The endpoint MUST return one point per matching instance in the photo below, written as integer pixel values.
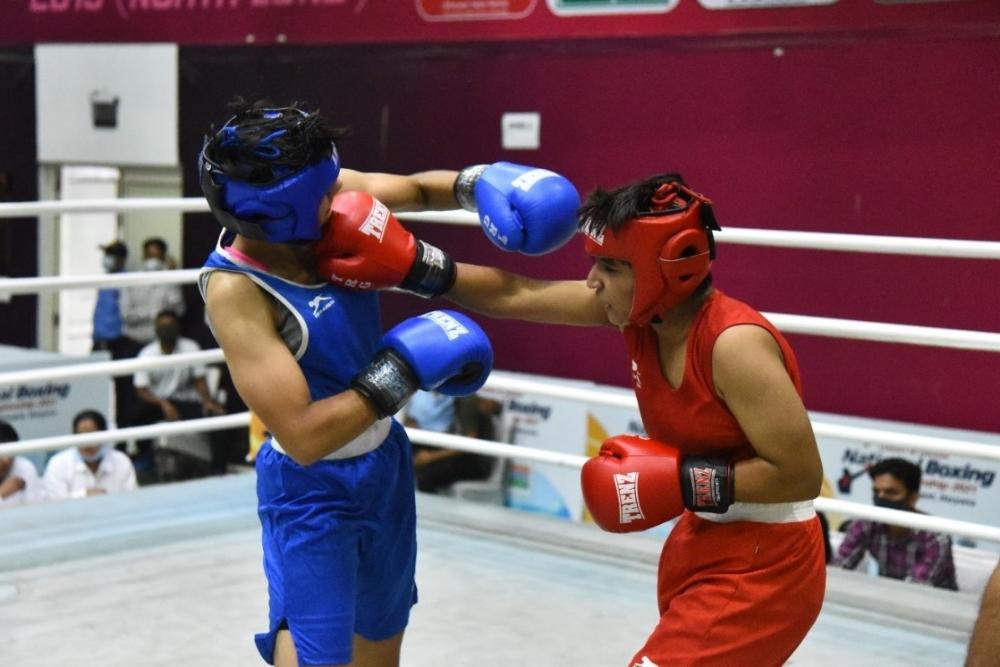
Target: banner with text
(364, 21)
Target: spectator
(172, 394)
(901, 553)
(437, 468)
(155, 256)
(141, 303)
(108, 335)
(88, 470)
(19, 483)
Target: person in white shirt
(172, 394)
(87, 471)
(19, 483)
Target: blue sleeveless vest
(332, 332)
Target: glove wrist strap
(707, 484)
(432, 272)
(465, 186)
(388, 382)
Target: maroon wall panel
(894, 136)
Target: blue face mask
(96, 456)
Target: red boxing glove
(635, 483)
(364, 247)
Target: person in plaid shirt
(901, 553)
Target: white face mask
(110, 263)
(96, 456)
(153, 264)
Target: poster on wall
(761, 4)
(45, 408)
(580, 7)
(558, 425)
(466, 10)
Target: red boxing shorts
(735, 593)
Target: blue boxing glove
(529, 210)
(441, 350)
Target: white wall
(142, 77)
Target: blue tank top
(332, 332)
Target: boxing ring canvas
(171, 575)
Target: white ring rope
(488, 448)
(25, 209)
(820, 326)
(238, 420)
(113, 368)
(896, 245)
(15, 286)
(883, 332)
(869, 435)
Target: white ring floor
(171, 575)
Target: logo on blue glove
(451, 327)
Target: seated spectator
(90, 470)
(172, 394)
(437, 468)
(901, 553)
(19, 483)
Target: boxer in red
(731, 450)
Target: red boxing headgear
(670, 248)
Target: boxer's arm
(506, 295)
(750, 376)
(984, 646)
(269, 379)
(424, 191)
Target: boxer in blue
(308, 356)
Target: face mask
(96, 456)
(890, 504)
(153, 264)
(110, 263)
(167, 334)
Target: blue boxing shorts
(340, 548)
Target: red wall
(890, 136)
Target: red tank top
(692, 417)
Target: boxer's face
(323, 214)
(614, 283)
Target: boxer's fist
(441, 350)
(632, 484)
(520, 208)
(635, 483)
(364, 247)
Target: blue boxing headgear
(285, 208)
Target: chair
(493, 489)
